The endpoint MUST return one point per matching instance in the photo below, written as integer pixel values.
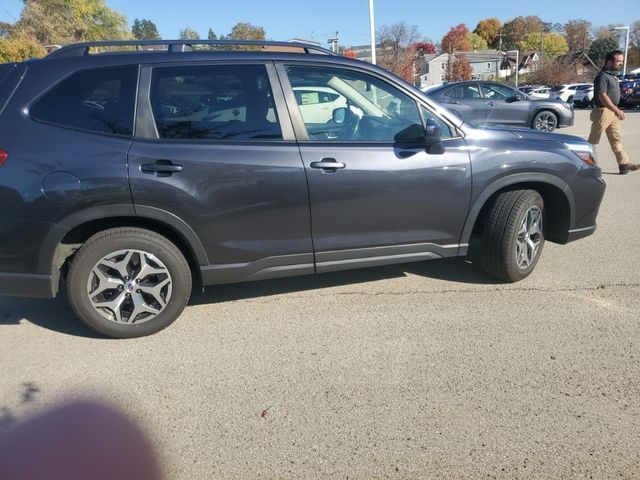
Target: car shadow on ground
(452, 270)
(56, 314)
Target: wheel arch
(553, 190)
(69, 234)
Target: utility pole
(373, 32)
(334, 43)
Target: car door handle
(491, 104)
(161, 167)
(328, 164)
(454, 102)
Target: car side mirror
(339, 115)
(515, 98)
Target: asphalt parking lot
(427, 370)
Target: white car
(584, 97)
(318, 103)
(540, 92)
(567, 91)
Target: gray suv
(128, 176)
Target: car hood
(506, 133)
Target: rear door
(215, 152)
(466, 100)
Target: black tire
(170, 281)
(500, 234)
(545, 121)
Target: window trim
(145, 122)
(84, 130)
(296, 116)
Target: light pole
(626, 48)
(517, 63)
(373, 33)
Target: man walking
(606, 116)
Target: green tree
(64, 21)
(489, 29)
(211, 35)
(476, 42)
(246, 31)
(600, 47)
(145, 30)
(551, 44)
(20, 47)
(188, 34)
(578, 35)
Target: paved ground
(421, 371)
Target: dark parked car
(630, 91)
(127, 175)
(492, 103)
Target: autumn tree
(552, 44)
(476, 42)
(634, 34)
(489, 30)
(145, 30)
(349, 53)
(397, 53)
(423, 48)
(555, 72)
(456, 39)
(246, 31)
(578, 35)
(458, 68)
(188, 34)
(515, 30)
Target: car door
(215, 155)
(465, 99)
(505, 105)
(375, 199)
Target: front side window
(497, 92)
(98, 101)
(359, 107)
(214, 102)
(464, 91)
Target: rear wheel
(513, 237)
(128, 282)
(545, 121)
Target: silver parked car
(486, 102)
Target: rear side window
(98, 100)
(464, 91)
(214, 102)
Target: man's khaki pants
(604, 120)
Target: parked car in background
(126, 176)
(540, 92)
(583, 97)
(567, 91)
(486, 102)
(630, 91)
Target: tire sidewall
(93, 252)
(515, 271)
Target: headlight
(585, 151)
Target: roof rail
(83, 49)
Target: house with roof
(485, 65)
(527, 62)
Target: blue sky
(285, 19)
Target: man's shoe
(628, 167)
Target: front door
(376, 199)
(505, 105)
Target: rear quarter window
(98, 100)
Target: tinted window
(464, 91)
(214, 102)
(99, 100)
(430, 118)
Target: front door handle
(328, 164)
(161, 167)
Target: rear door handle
(491, 104)
(328, 164)
(161, 167)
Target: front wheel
(545, 121)
(128, 282)
(513, 235)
